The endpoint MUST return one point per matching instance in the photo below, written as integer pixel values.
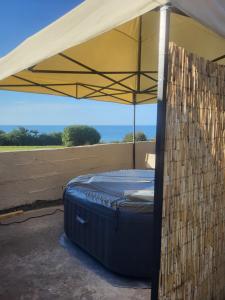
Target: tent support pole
(134, 131)
(160, 143)
(138, 90)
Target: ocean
(109, 133)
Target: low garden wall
(27, 176)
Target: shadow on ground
(35, 266)
(92, 264)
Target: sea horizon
(109, 133)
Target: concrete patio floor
(35, 266)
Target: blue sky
(22, 18)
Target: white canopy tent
(109, 51)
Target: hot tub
(110, 215)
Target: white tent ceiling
(94, 51)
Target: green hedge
(24, 137)
(72, 136)
(139, 136)
(77, 135)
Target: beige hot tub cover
(107, 49)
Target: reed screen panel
(193, 220)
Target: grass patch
(20, 148)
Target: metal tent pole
(160, 142)
(134, 134)
(138, 89)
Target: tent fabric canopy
(107, 50)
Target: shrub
(24, 137)
(54, 139)
(77, 135)
(19, 137)
(139, 136)
(3, 138)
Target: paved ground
(33, 265)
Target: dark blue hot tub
(110, 215)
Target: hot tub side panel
(121, 241)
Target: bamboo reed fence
(193, 220)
